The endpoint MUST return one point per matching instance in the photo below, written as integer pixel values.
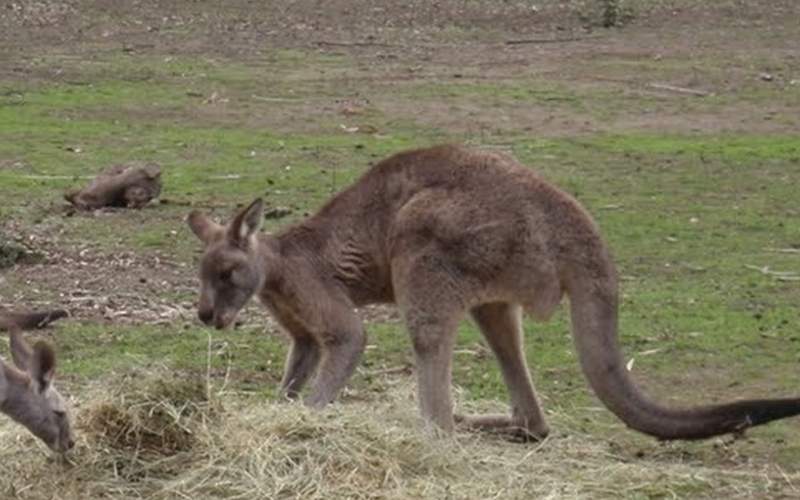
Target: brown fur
(444, 232)
(30, 320)
(119, 186)
(27, 393)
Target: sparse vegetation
(607, 13)
(10, 252)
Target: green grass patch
(698, 223)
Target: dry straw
(167, 436)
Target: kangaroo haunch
(119, 186)
(443, 232)
(27, 393)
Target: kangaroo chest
(286, 313)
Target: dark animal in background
(129, 186)
(30, 320)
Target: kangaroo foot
(515, 429)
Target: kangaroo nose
(205, 315)
(70, 444)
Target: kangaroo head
(231, 269)
(29, 396)
(136, 196)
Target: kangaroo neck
(11, 379)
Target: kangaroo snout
(64, 446)
(224, 319)
(219, 320)
(206, 315)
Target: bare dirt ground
(443, 43)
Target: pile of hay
(156, 418)
(168, 436)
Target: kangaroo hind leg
(433, 338)
(501, 325)
(429, 300)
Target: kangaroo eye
(60, 413)
(225, 275)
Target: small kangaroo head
(136, 196)
(231, 270)
(29, 397)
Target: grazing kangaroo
(27, 394)
(442, 232)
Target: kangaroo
(27, 393)
(119, 186)
(443, 232)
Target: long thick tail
(594, 323)
(30, 320)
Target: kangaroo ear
(43, 364)
(247, 223)
(204, 228)
(21, 352)
(71, 196)
(152, 170)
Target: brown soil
(398, 43)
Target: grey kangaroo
(27, 393)
(443, 232)
(128, 186)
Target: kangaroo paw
(515, 429)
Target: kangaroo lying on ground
(442, 232)
(119, 186)
(27, 394)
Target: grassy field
(694, 186)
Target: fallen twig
(680, 90)
(354, 44)
(779, 275)
(534, 41)
(274, 99)
(784, 250)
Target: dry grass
(169, 437)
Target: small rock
(766, 77)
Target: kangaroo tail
(593, 303)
